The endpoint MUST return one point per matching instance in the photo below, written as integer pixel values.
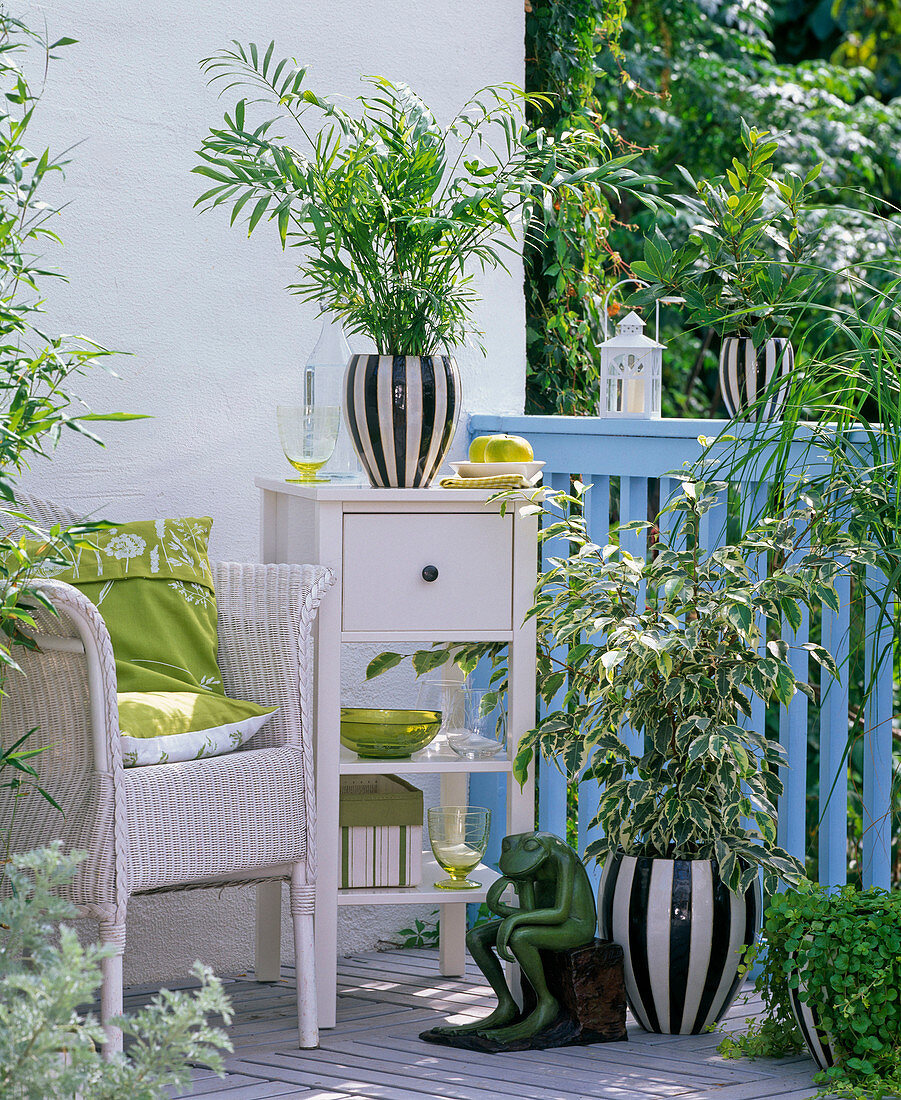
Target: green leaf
(258, 211)
(382, 663)
(425, 660)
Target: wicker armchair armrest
(266, 615)
(66, 694)
(79, 633)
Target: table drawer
(384, 558)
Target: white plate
(531, 471)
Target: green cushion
(162, 727)
(152, 583)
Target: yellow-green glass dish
(388, 734)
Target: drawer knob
(430, 573)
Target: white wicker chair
(244, 818)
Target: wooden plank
(375, 1054)
(570, 1063)
(764, 1088)
(203, 1086)
(385, 971)
(365, 1076)
(523, 1073)
(263, 1089)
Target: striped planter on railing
(746, 373)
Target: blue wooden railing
(637, 459)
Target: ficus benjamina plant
(842, 950)
(648, 666)
(660, 658)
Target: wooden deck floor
(386, 999)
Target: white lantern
(631, 372)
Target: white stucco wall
(215, 340)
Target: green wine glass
(458, 836)
(307, 434)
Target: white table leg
(327, 751)
(267, 967)
(452, 940)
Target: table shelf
(378, 543)
(425, 893)
(445, 760)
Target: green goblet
(458, 836)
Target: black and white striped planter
(401, 413)
(819, 1043)
(745, 374)
(683, 933)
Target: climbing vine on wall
(569, 263)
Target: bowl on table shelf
(388, 734)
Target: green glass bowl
(391, 734)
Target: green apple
(508, 448)
(477, 448)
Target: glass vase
(323, 384)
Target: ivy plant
(569, 262)
(842, 949)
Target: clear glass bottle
(323, 379)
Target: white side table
(378, 542)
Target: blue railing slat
(877, 741)
(552, 811)
(597, 516)
(792, 833)
(833, 769)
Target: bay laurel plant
(391, 210)
(657, 659)
(748, 261)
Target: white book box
(380, 818)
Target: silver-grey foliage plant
(49, 1046)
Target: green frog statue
(556, 912)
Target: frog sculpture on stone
(556, 912)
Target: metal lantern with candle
(632, 366)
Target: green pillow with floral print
(152, 584)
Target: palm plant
(391, 209)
